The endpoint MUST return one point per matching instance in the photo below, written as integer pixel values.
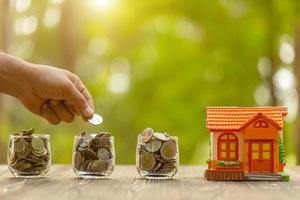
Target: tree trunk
(272, 38)
(5, 23)
(68, 33)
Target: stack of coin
(29, 154)
(93, 154)
(157, 153)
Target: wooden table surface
(125, 184)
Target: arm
(52, 93)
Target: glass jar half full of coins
(157, 155)
(93, 155)
(29, 154)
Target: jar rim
(30, 136)
(170, 136)
(89, 135)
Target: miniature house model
(246, 143)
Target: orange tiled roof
(233, 118)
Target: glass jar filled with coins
(29, 154)
(93, 155)
(157, 155)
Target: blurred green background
(157, 64)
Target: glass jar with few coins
(29, 154)
(157, 155)
(93, 155)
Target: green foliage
(228, 163)
(281, 151)
(150, 64)
(285, 177)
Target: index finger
(76, 98)
(80, 86)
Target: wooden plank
(125, 183)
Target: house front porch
(224, 175)
(233, 175)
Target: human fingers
(80, 86)
(71, 108)
(61, 111)
(76, 98)
(49, 114)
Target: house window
(261, 124)
(228, 147)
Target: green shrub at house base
(285, 177)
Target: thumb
(76, 98)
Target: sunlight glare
(287, 53)
(119, 81)
(22, 5)
(51, 17)
(103, 4)
(284, 79)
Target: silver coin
(103, 154)
(96, 119)
(161, 136)
(153, 145)
(147, 135)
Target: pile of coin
(29, 154)
(158, 153)
(94, 153)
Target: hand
(55, 94)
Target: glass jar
(157, 155)
(29, 154)
(93, 155)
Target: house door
(261, 156)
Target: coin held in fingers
(96, 119)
